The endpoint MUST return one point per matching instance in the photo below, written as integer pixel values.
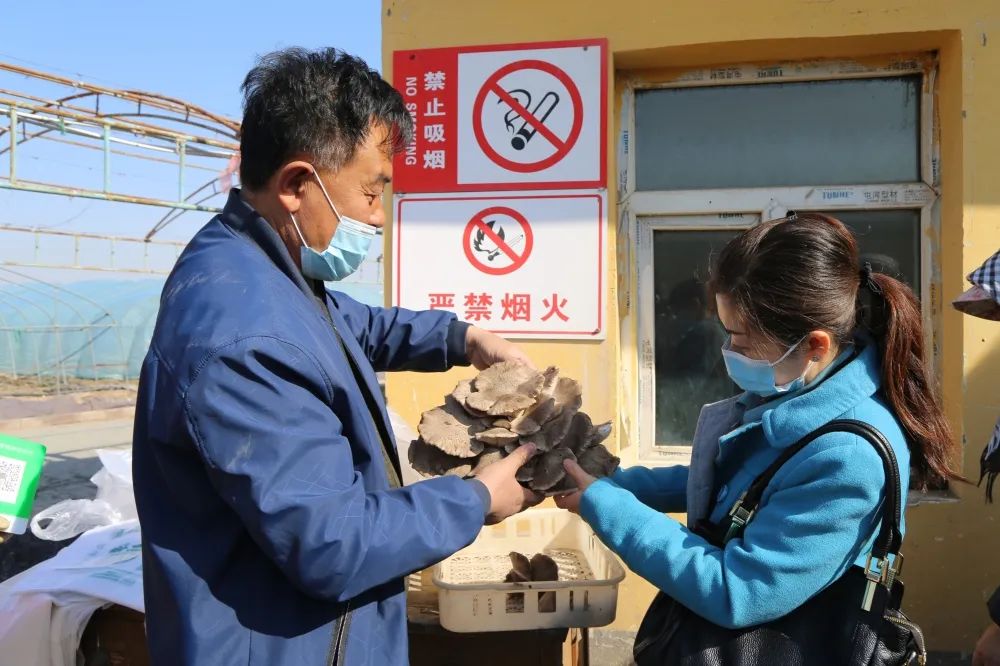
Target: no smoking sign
(528, 116)
(498, 240)
(520, 264)
(504, 117)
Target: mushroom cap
(460, 395)
(595, 460)
(462, 390)
(543, 568)
(508, 377)
(520, 568)
(525, 425)
(598, 461)
(532, 419)
(579, 433)
(549, 469)
(599, 434)
(431, 461)
(552, 433)
(527, 471)
(567, 485)
(568, 392)
(486, 459)
(505, 389)
(497, 437)
(558, 418)
(510, 404)
(451, 430)
(549, 378)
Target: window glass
(842, 132)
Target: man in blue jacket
(275, 530)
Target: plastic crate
(473, 597)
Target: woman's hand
(571, 502)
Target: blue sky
(196, 51)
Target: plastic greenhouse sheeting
(95, 329)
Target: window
(805, 133)
(719, 150)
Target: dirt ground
(26, 397)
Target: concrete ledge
(12, 426)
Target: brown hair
(794, 275)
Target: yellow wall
(953, 549)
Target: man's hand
(507, 496)
(988, 648)
(571, 502)
(485, 349)
(4, 525)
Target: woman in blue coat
(813, 336)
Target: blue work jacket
(271, 533)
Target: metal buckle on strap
(874, 576)
(893, 570)
(739, 517)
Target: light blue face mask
(346, 250)
(756, 376)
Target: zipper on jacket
(390, 468)
(339, 639)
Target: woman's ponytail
(889, 310)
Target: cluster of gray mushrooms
(507, 405)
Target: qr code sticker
(11, 473)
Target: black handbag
(855, 621)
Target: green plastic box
(20, 468)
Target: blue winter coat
(270, 533)
(818, 515)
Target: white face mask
(757, 376)
(346, 250)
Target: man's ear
(290, 183)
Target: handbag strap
(889, 539)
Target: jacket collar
(852, 384)
(244, 220)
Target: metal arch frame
(174, 213)
(35, 260)
(64, 116)
(154, 100)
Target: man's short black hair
(320, 103)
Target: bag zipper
(338, 644)
(918, 636)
